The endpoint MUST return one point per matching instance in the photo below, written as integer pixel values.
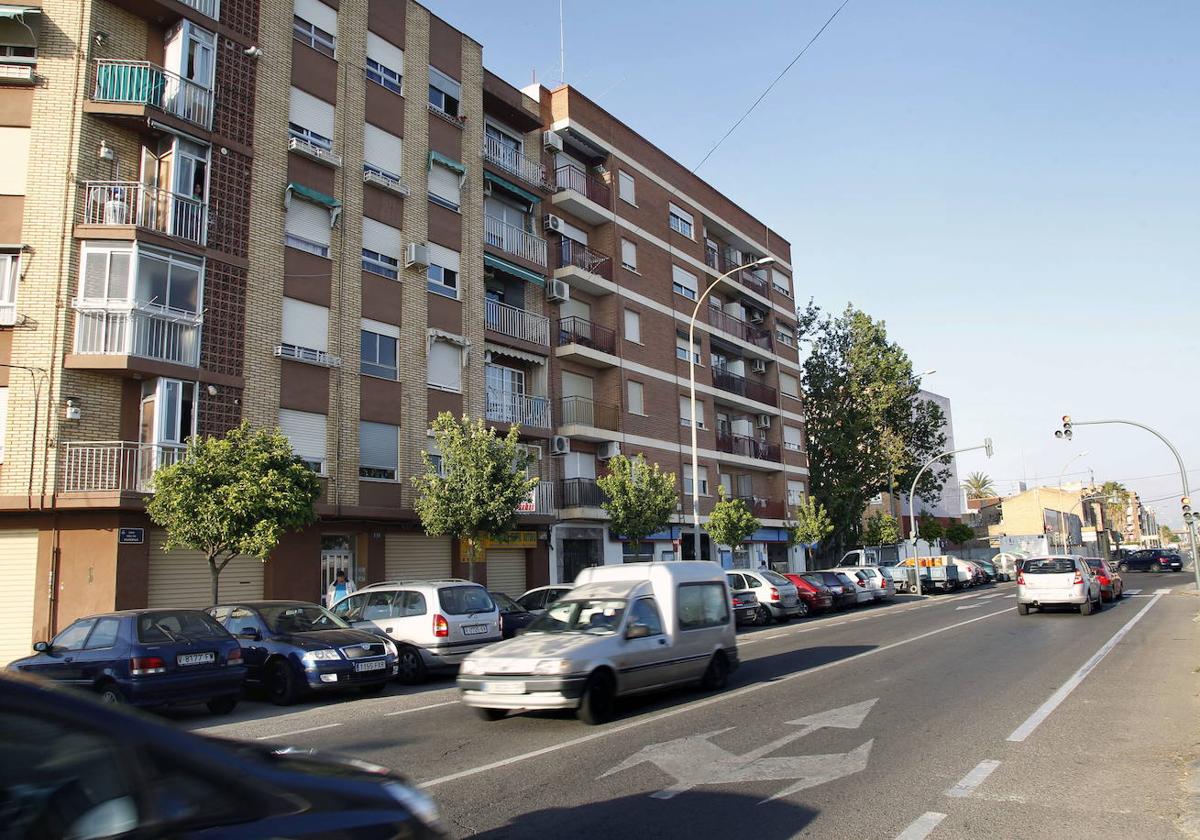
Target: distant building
(1048, 520)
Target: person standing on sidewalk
(339, 589)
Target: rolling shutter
(382, 239)
(18, 569)
(382, 149)
(685, 279)
(416, 557)
(318, 14)
(306, 431)
(308, 221)
(445, 183)
(305, 324)
(385, 53)
(181, 578)
(442, 256)
(15, 142)
(506, 571)
(307, 111)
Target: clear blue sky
(1013, 186)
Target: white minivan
(622, 630)
(1063, 580)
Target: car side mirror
(637, 631)
(41, 647)
(249, 633)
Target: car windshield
(1049, 566)
(775, 578)
(597, 617)
(300, 618)
(505, 603)
(1095, 562)
(465, 600)
(817, 582)
(178, 626)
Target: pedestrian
(339, 589)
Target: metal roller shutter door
(18, 570)
(415, 557)
(180, 578)
(506, 571)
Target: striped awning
(511, 187)
(514, 270)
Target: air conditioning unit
(551, 140)
(608, 450)
(560, 445)
(553, 223)
(754, 316)
(759, 366)
(416, 253)
(557, 291)
(764, 421)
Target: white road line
(1164, 592)
(967, 607)
(691, 707)
(1133, 592)
(989, 597)
(1046, 709)
(776, 636)
(1009, 596)
(974, 779)
(422, 708)
(922, 826)
(295, 732)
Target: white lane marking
(691, 707)
(1133, 592)
(1046, 709)
(776, 636)
(974, 779)
(989, 597)
(295, 732)
(1006, 597)
(968, 607)
(922, 826)
(423, 708)
(1164, 592)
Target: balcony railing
(579, 492)
(540, 501)
(752, 281)
(144, 206)
(725, 262)
(585, 411)
(211, 8)
(114, 465)
(571, 252)
(737, 327)
(509, 407)
(167, 335)
(747, 447)
(143, 83)
(576, 330)
(765, 508)
(514, 240)
(510, 160)
(573, 178)
(744, 387)
(517, 323)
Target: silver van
(622, 630)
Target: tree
(1167, 536)
(731, 522)
(233, 495)
(1116, 502)
(929, 529)
(979, 486)
(881, 529)
(812, 522)
(475, 493)
(959, 533)
(640, 497)
(868, 429)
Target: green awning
(18, 11)
(511, 187)
(449, 163)
(314, 196)
(515, 270)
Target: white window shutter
(306, 431)
(571, 232)
(685, 279)
(789, 385)
(681, 213)
(380, 328)
(791, 436)
(444, 83)
(385, 52)
(442, 256)
(15, 142)
(3, 419)
(633, 326)
(307, 111)
(305, 324)
(445, 365)
(628, 253)
(445, 184)
(637, 397)
(318, 14)
(378, 445)
(781, 280)
(308, 221)
(625, 186)
(381, 238)
(382, 149)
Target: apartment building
(326, 215)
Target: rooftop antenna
(562, 50)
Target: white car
(778, 597)
(871, 584)
(1061, 580)
(536, 600)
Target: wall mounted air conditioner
(557, 291)
(759, 366)
(551, 140)
(552, 223)
(608, 450)
(416, 253)
(754, 316)
(764, 421)
(560, 445)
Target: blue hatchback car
(145, 658)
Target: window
(444, 92)
(385, 63)
(633, 326)
(73, 637)
(315, 24)
(791, 438)
(626, 188)
(579, 465)
(10, 275)
(629, 255)
(685, 411)
(786, 336)
(443, 271)
(681, 221)
(789, 385)
(17, 54)
(168, 281)
(445, 185)
(104, 635)
(382, 152)
(305, 326)
(702, 605)
(3, 419)
(636, 393)
(381, 248)
(306, 432)
(378, 450)
(445, 365)
(310, 119)
(645, 612)
(306, 227)
(378, 348)
(681, 348)
(683, 282)
(795, 492)
(687, 480)
(781, 282)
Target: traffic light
(987, 446)
(1187, 509)
(1065, 432)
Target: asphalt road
(950, 717)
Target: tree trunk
(215, 571)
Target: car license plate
(378, 665)
(474, 629)
(196, 658)
(504, 688)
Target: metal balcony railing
(114, 465)
(765, 508)
(540, 501)
(737, 327)
(510, 407)
(579, 492)
(726, 261)
(517, 323)
(143, 83)
(570, 177)
(510, 160)
(744, 387)
(576, 330)
(168, 335)
(748, 447)
(590, 260)
(144, 206)
(587, 412)
(513, 240)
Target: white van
(622, 630)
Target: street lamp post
(1063, 474)
(692, 391)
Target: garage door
(181, 578)
(506, 571)
(18, 570)
(416, 557)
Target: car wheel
(1022, 609)
(716, 675)
(490, 714)
(764, 617)
(1085, 608)
(803, 610)
(410, 666)
(282, 687)
(222, 705)
(109, 693)
(596, 707)
(1117, 596)
(376, 688)
(1123, 567)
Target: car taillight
(774, 594)
(862, 583)
(234, 656)
(1164, 561)
(140, 666)
(1078, 577)
(1103, 580)
(1020, 580)
(441, 629)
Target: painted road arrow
(694, 760)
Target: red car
(1112, 587)
(816, 600)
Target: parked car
(72, 767)
(293, 647)
(1112, 587)
(818, 599)
(513, 617)
(745, 607)
(1152, 560)
(145, 658)
(778, 599)
(990, 572)
(622, 630)
(1008, 564)
(841, 589)
(871, 583)
(433, 623)
(1064, 580)
(536, 600)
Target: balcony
(725, 262)
(540, 501)
(748, 447)
(517, 323)
(513, 240)
(513, 162)
(584, 268)
(165, 335)
(586, 342)
(128, 88)
(744, 387)
(514, 408)
(582, 418)
(582, 195)
(114, 466)
(738, 328)
(162, 10)
(765, 508)
(132, 204)
(577, 493)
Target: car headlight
(419, 804)
(471, 666)
(390, 647)
(552, 666)
(320, 656)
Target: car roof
(256, 605)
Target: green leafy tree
(929, 529)
(881, 529)
(812, 522)
(959, 533)
(233, 495)
(1167, 536)
(1116, 501)
(979, 486)
(731, 522)
(639, 497)
(475, 494)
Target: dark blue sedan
(292, 646)
(145, 658)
